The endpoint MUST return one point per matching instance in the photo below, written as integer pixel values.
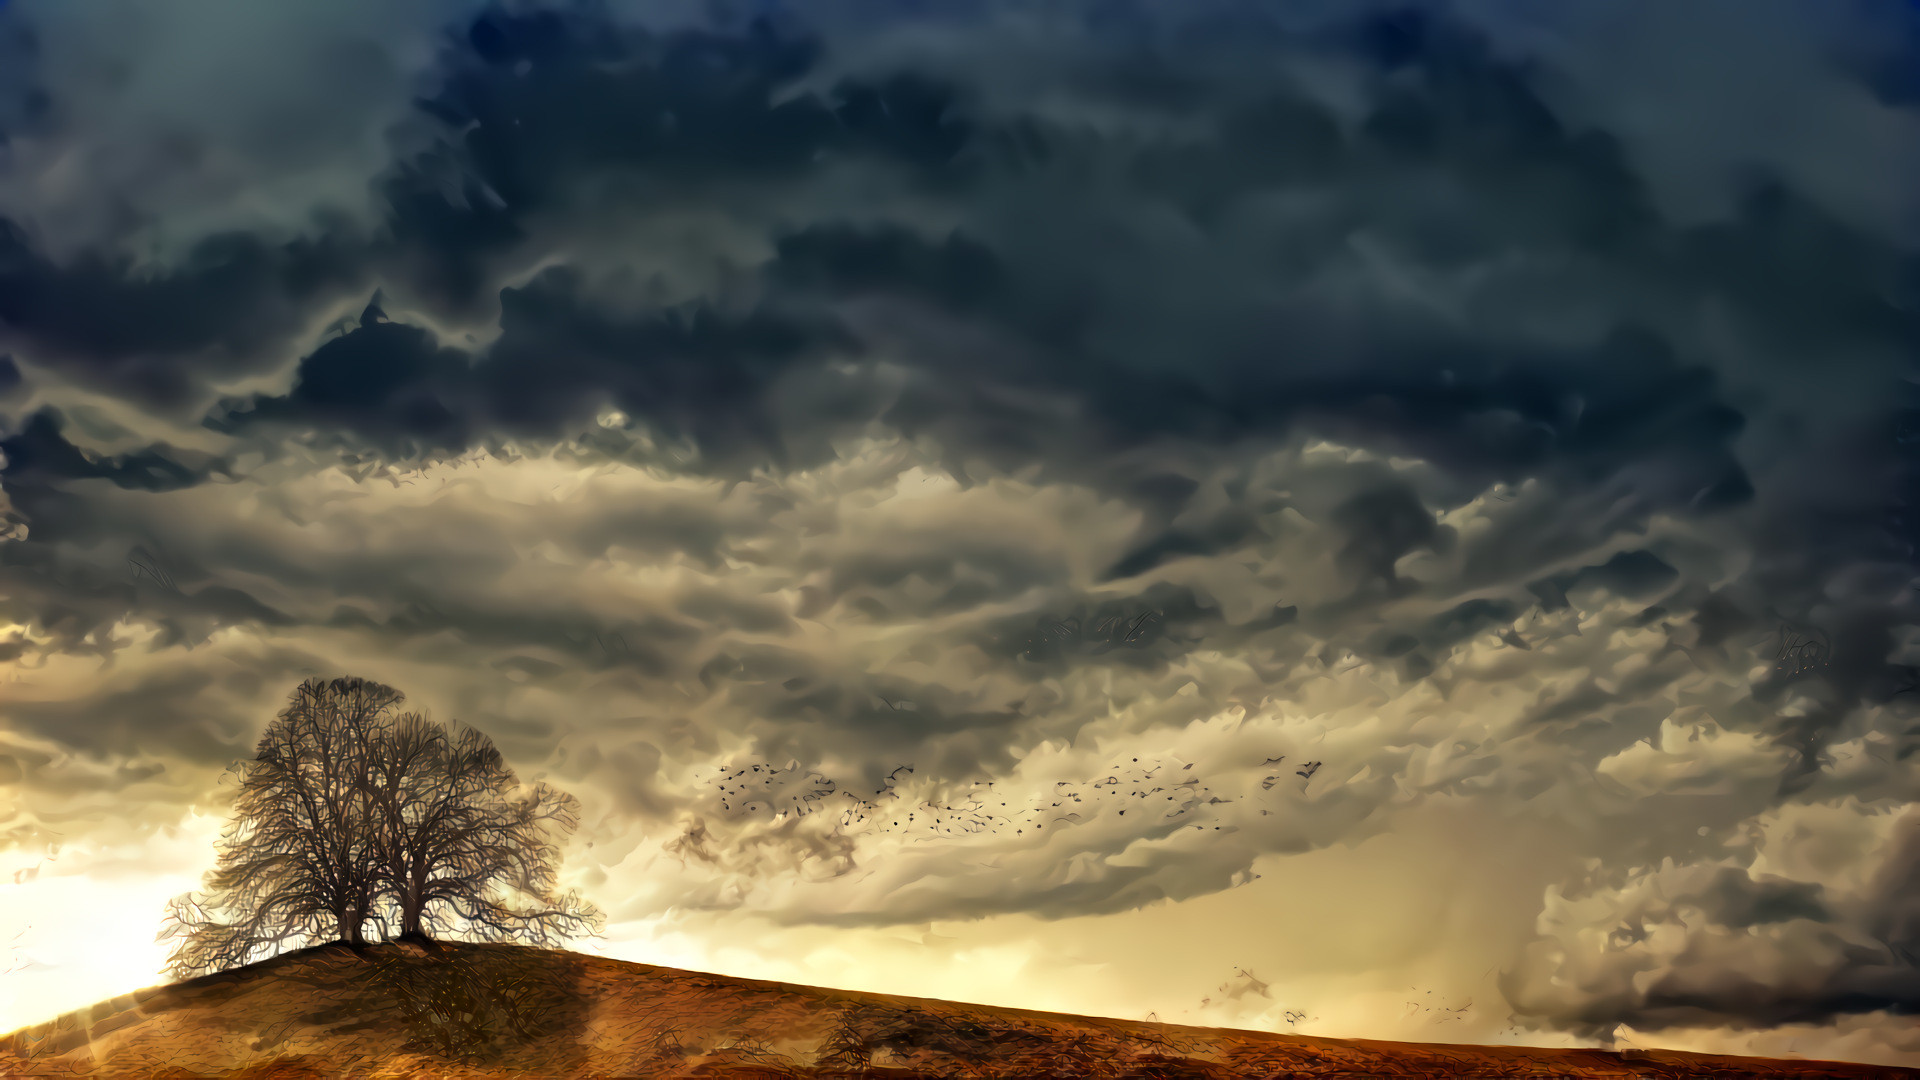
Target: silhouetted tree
(299, 863)
(466, 849)
(351, 812)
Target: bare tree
(466, 849)
(351, 812)
(299, 862)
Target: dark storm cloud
(683, 109)
(1381, 526)
(841, 260)
(558, 360)
(75, 598)
(153, 337)
(23, 102)
(40, 457)
(1764, 949)
(1882, 59)
(537, 106)
(184, 703)
(705, 371)
(1457, 161)
(1737, 900)
(10, 380)
(390, 383)
(1386, 374)
(1454, 161)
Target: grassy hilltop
(461, 1010)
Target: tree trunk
(350, 923)
(413, 902)
(412, 909)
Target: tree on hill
(296, 864)
(351, 812)
(465, 849)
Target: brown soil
(508, 1011)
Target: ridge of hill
(464, 1010)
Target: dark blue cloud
(155, 337)
(558, 361)
(39, 456)
(533, 105)
(1449, 161)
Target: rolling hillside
(460, 1010)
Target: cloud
(1820, 96)
(232, 298)
(1701, 758)
(1778, 934)
(157, 129)
(556, 365)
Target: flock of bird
(1158, 792)
(1443, 1014)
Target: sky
(1370, 519)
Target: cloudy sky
(1281, 515)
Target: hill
(459, 1010)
